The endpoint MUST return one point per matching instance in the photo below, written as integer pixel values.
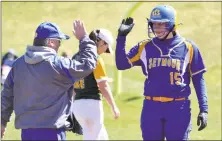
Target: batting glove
(125, 27)
(202, 120)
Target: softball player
(169, 62)
(87, 107)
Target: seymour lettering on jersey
(167, 62)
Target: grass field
(201, 23)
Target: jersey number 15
(174, 78)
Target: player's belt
(164, 99)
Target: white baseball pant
(89, 113)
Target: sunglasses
(59, 40)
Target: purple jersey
(167, 66)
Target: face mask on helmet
(160, 29)
(161, 22)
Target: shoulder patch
(190, 49)
(144, 42)
(141, 44)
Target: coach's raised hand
(126, 26)
(79, 30)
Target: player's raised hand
(126, 26)
(79, 29)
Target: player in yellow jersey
(87, 107)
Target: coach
(39, 85)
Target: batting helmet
(162, 13)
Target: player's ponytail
(94, 35)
